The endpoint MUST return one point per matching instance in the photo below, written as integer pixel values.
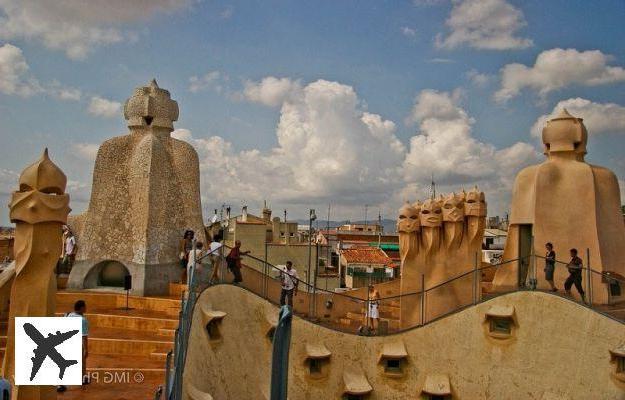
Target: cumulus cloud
(331, 149)
(210, 80)
(598, 117)
(77, 27)
(102, 107)
(86, 151)
(15, 78)
(445, 148)
(558, 68)
(271, 91)
(484, 24)
(478, 79)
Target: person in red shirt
(234, 262)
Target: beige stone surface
(440, 239)
(569, 203)
(145, 193)
(559, 348)
(38, 208)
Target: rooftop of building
(366, 255)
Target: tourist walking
(215, 251)
(289, 281)
(575, 275)
(194, 266)
(185, 246)
(68, 253)
(550, 265)
(234, 262)
(80, 308)
(373, 312)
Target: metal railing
(348, 311)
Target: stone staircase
(389, 316)
(127, 348)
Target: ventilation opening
(212, 328)
(615, 289)
(314, 366)
(271, 333)
(353, 397)
(501, 325)
(148, 120)
(392, 366)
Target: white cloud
(77, 27)
(484, 24)
(14, 73)
(210, 80)
(598, 117)
(445, 148)
(15, 78)
(408, 31)
(478, 79)
(86, 151)
(330, 149)
(271, 91)
(102, 107)
(558, 68)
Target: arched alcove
(107, 273)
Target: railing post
(475, 280)
(280, 355)
(422, 299)
(589, 277)
(265, 272)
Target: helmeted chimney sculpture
(38, 208)
(439, 239)
(570, 203)
(145, 193)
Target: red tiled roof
(365, 255)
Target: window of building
(501, 325)
(618, 358)
(436, 386)
(500, 321)
(394, 358)
(212, 320)
(317, 360)
(270, 333)
(393, 366)
(314, 366)
(615, 288)
(353, 397)
(213, 330)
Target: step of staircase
(127, 348)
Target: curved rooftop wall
(554, 349)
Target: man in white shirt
(289, 280)
(215, 257)
(69, 250)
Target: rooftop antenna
(366, 209)
(285, 215)
(432, 188)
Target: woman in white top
(373, 314)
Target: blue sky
(456, 87)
